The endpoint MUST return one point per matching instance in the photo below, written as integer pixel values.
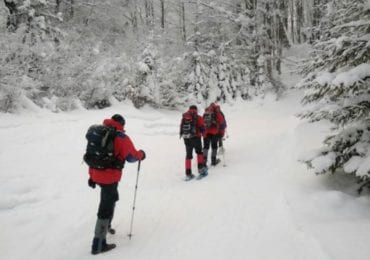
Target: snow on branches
(337, 83)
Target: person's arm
(201, 126)
(128, 152)
(180, 132)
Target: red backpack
(209, 117)
(189, 123)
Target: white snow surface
(263, 205)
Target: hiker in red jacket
(221, 130)
(192, 129)
(215, 124)
(108, 179)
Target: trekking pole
(133, 205)
(223, 154)
(223, 147)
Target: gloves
(143, 155)
(91, 183)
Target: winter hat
(118, 118)
(193, 107)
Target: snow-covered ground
(263, 205)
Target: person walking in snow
(215, 127)
(192, 129)
(221, 130)
(108, 179)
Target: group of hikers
(211, 126)
(109, 147)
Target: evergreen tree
(337, 83)
(145, 86)
(27, 48)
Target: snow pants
(211, 140)
(108, 197)
(194, 143)
(191, 144)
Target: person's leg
(110, 229)
(214, 145)
(202, 169)
(206, 144)
(220, 141)
(189, 157)
(108, 198)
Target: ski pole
(223, 147)
(133, 205)
(223, 155)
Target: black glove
(144, 155)
(91, 183)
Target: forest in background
(64, 54)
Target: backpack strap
(120, 134)
(118, 163)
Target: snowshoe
(189, 177)
(202, 173)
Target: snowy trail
(262, 205)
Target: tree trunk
(12, 20)
(196, 27)
(149, 13)
(57, 6)
(71, 9)
(134, 18)
(183, 21)
(162, 14)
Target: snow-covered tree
(337, 85)
(206, 50)
(145, 89)
(26, 50)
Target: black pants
(191, 144)
(211, 140)
(108, 197)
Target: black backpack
(209, 118)
(100, 148)
(188, 127)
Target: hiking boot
(215, 161)
(101, 246)
(203, 171)
(189, 177)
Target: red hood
(115, 124)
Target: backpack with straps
(209, 118)
(100, 148)
(188, 127)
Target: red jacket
(220, 125)
(124, 150)
(200, 128)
